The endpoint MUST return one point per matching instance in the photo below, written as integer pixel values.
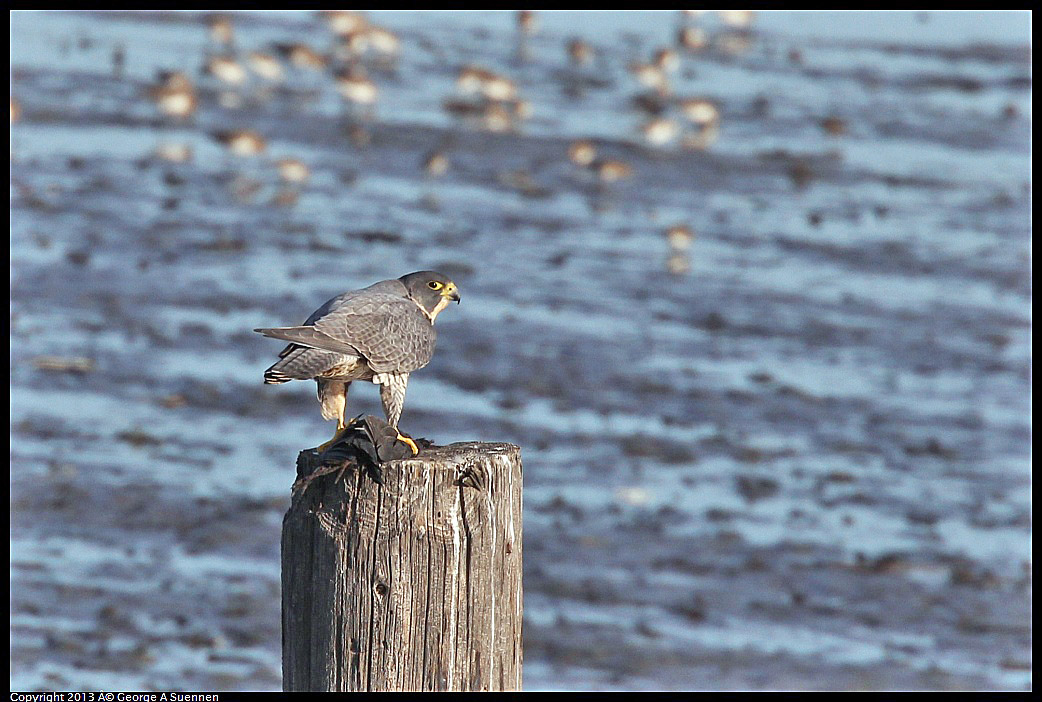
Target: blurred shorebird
(611, 170)
(474, 79)
(704, 116)
(292, 170)
(652, 104)
(227, 70)
(119, 60)
(285, 197)
(733, 43)
(174, 79)
(175, 95)
(356, 88)
(221, 31)
(344, 22)
(737, 19)
(692, 38)
(666, 59)
(699, 111)
(357, 37)
(834, 126)
(678, 263)
(241, 142)
(350, 47)
(359, 135)
(527, 22)
(293, 173)
(435, 164)
(265, 66)
(660, 131)
(522, 108)
(496, 117)
(650, 76)
(384, 43)
(582, 153)
(173, 152)
(301, 56)
(475, 112)
(579, 52)
(498, 107)
(679, 237)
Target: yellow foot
(410, 442)
(336, 437)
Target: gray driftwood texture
(410, 585)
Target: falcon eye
(434, 285)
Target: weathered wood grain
(410, 585)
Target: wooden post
(411, 585)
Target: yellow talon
(410, 442)
(340, 429)
(323, 447)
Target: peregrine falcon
(381, 333)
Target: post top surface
(459, 452)
(462, 452)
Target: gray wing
(390, 332)
(384, 287)
(311, 352)
(387, 329)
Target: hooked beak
(451, 292)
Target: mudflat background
(795, 457)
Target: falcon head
(430, 290)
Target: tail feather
(273, 376)
(309, 336)
(302, 363)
